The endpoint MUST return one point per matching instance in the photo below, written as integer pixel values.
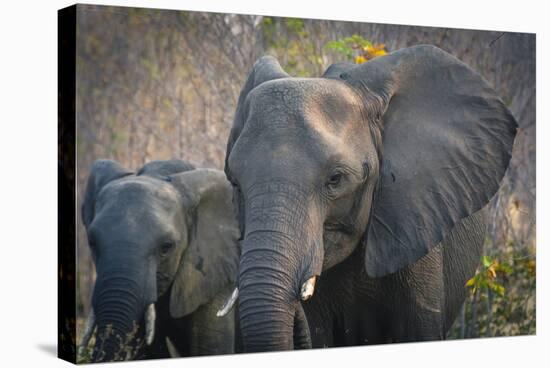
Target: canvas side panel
(66, 289)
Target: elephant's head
(166, 227)
(388, 155)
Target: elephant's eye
(334, 179)
(166, 247)
(93, 246)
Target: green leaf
(499, 289)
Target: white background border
(28, 192)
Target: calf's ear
(102, 172)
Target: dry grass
(130, 345)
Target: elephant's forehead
(323, 105)
(141, 191)
(298, 125)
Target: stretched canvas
(236, 183)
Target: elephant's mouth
(306, 292)
(164, 281)
(338, 227)
(339, 240)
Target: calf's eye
(166, 247)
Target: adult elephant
(164, 243)
(367, 187)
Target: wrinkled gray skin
(165, 235)
(374, 178)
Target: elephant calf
(164, 243)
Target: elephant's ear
(264, 69)
(211, 259)
(102, 172)
(163, 168)
(446, 143)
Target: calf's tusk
(308, 288)
(88, 331)
(228, 304)
(172, 349)
(150, 316)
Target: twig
(496, 39)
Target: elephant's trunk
(119, 308)
(302, 335)
(278, 257)
(267, 301)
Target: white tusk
(308, 288)
(150, 316)
(228, 304)
(88, 331)
(172, 349)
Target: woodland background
(158, 84)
